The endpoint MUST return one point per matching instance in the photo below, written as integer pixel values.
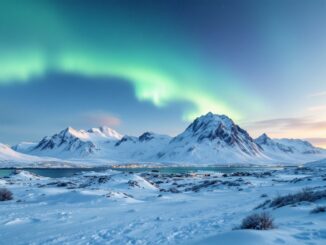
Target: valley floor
(114, 207)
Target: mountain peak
(215, 118)
(212, 135)
(146, 136)
(211, 115)
(70, 131)
(106, 132)
(286, 147)
(221, 131)
(210, 124)
(208, 114)
(263, 139)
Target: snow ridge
(209, 139)
(289, 150)
(213, 139)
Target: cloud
(300, 127)
(101, 119)
(317, 108)
(318, 94)
(289, 124)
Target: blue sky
(156, 65)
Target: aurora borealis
(159, 64)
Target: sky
(140, 66)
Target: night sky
(156, 65)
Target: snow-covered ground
(113, 207)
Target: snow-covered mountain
(97, 143)
(24, 147)
(289, 150)
(103, 133)
(209, 139)
(10, 157)
(213, 139)
(73, 143)
(142, 148)
(8, 154)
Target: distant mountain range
(210, 139)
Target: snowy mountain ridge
(290, 149)
(209, 139)
(12, 158)
(72, 143)
(288, 145)
(213, 139)
(7, 153)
